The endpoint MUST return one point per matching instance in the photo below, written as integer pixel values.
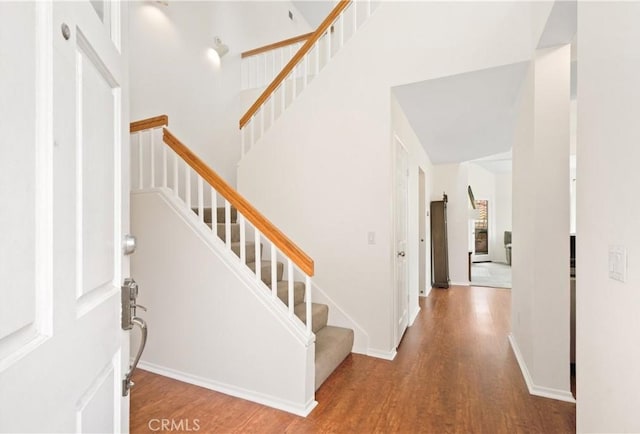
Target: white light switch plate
(618, 263)
(371, 238)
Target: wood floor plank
(454, 373)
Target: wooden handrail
(335, 13)
(275, 45)
(260, 222)
(145, 124)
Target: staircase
(333, 344)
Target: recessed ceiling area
(313, 11)
(467, 116)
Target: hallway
(454, 372)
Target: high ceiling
(313, 11)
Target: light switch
(618, 263)
(371, 237)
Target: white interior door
(64, 198)
(401, 235)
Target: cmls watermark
(169, 425)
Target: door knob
(129, 244)
(401, 254)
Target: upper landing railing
(314, 53)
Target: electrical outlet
(371, 237)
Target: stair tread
(333, 345)
(319, 315)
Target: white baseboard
(466, 283)
(545, 392)
(386, 355)
(426, 292)
(260, 398)
(413, 316)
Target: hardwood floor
(454, 373)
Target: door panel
(62, 350)
(98, 108)
(24, 282)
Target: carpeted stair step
(220, 214)
(222, 232)
(298, 292)
(333, 345)
(250, 250)
(266, 271)
(319, 315)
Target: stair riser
(265, 271)
(319, 315)
(220, 214)
(250, 251)
(298, 292)
(235, 232)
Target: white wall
(608, 330)
(209, 325)
(418, 159)
(540, 293)
(171, 73)
(323, 172)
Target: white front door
(64, 194)
(401, 228)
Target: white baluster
(214, 211)
(293, 83)
(328, 36)
(243, 247)
(187, 185)
(283, 95)
(307, 287)
(305, 71)
(140, 162)
(164, 166)
(152, 155)
(227, 224)
(290, 285)
(258, 262)
(200, 199)
(273, 65)
(176, 183)
(272, 109)
(252, 69)
(317, 48)
(242, 139)
(282, 58)
(368, 8)
(253, 131)
(262, 109)
(265, 74)
(274, 271)
(341, 34)
(355, 17)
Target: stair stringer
(210, 322)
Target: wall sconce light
(219, 47)
(216, 51)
